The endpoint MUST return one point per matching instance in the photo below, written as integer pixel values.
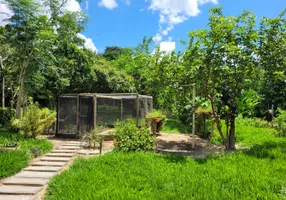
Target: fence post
(94, 111)
(137, 111)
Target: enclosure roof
(109, 95)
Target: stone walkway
(33, 179)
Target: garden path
(31, 182)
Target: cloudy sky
(125, 22)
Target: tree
(272, 59)
(221, 58)
(112, 53)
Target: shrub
(6, 115)
(280, 122)
(35, 121)
(129, 138)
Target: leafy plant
(157, 114)
(92, 137)
(35, 121)
(6, 115)
(128, 137)
(280, 122)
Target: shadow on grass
(269, 150)
(172, 124)
(175, 158)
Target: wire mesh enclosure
(78, 113)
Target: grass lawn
(259, 173)
(12, 161)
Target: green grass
(150, 176)
(247, 135)
(257, 173)
(12, 161)
(173, 126)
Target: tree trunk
(20, 97)
(231, 137)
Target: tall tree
(221, 58)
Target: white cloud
(167, 46)
(127, 2)
(72, 6)
(174, 12)
(88, 43)
(109, 4)
(5, 13)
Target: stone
(18, 190)
(43, 163)
(60, 154)
(59, 159)
(64, 151)
(31, 174)
(26, 181)
(69, 147)
(17, 197)
(43, 168)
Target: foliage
(175, 126)
(92, 137)
(35, 121)
(156, 114)
(6, 115)
(12, 161)
(112, 53)
(280, 122)
(128, 137)
(247, 102)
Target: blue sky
(125, 23)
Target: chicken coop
(79, 113)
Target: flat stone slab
(44, 163)
(64, 151)
(88, 152)
(69, 147)
(17, 197)
(60, 154)
(29, 174)
(59, 159)
(18, 190)
(43, 168)
(26, 181)
(73, 145)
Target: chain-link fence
(79, 113)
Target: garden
(205, 122)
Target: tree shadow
(268, 150)
(175, 158)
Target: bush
(35, 121)
(280, 122)
(129, 138)
(6, 115)
(158, 114)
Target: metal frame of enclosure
(79, 113)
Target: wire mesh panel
(80, 113)
(85, 113)
(67, 115)
(108, 111)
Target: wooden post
(137, 111)
(213, 123)
(194, 116)
(78, 114)
(121, 110)
(58, 122)
(94, 111)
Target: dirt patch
(182, 144)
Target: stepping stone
(72, 144)
(43, 168)
(75, 142)
(64, 151)
(69, 147)
(44, 163)
(26, 181)
(88, 152)
(52, 159)
(16, 197)
(18, 190)
(29, 174)
(60, 154)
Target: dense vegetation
(258, 173)
(12, 161)
(236, 62)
